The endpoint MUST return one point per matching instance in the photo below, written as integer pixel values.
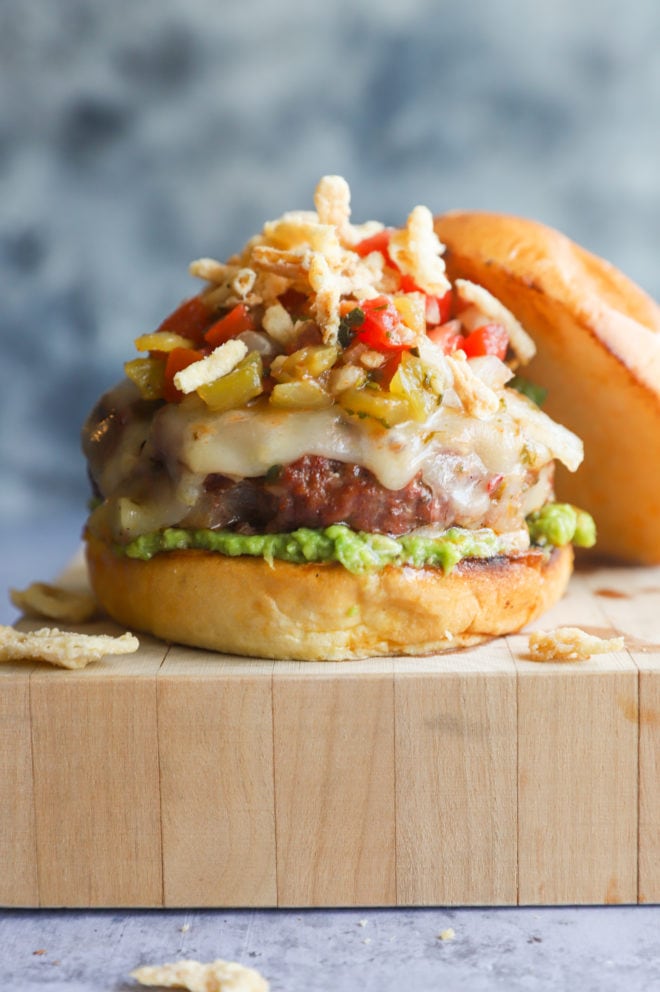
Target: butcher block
(177, 777)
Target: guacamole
(561, 523)
(358, 551)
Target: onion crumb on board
(61, 648)
(569, 644)
(44, 599)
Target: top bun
(598, 355)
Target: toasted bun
(598, 341)
(322, 612)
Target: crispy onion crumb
(569, 644)
(217, 976)
(43, 599)
(62, 648)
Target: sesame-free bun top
(323, 612)
(598, 354)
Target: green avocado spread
(555, 524)
(561, 523)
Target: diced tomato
(177, 359)
(190, 320)
(447, 336)
(408, 285)
(382, 328)
(377, 242)
(489, 339)
(230, 326)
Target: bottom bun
(322, 612)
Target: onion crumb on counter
(217, 976)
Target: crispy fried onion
(61, 648)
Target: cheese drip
(246, 443)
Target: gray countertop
(591, 949)
(595, 949)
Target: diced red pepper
(177, 359)
(190, 320)
(489, 339)
(383, 328)
(447, 336)
(377, 242)
(230, 326)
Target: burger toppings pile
(329, 395)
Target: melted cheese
(247, 442)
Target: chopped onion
(254, 341)
(491, 370)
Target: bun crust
(598, 355)
(322, 612)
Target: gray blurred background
(136, 135)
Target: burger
(330, 452)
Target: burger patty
(316, 492)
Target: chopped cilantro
(354, 318)
(536, 394)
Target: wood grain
(578, 765)
(456, 840)
(216, 766)
(18, 844)
(649, 780)
(334, 783)
(97, 801)
(630, 598)
(577, 781)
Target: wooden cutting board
(176, 777)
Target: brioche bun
(322, 612)
(598, 354)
